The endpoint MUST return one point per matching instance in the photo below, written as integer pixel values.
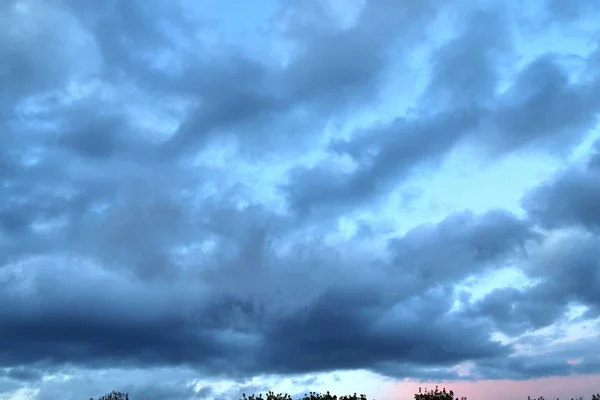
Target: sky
(200, 199)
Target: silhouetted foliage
(309, 396)
(436, 395)
(114, 396)
(422, 395)
(594, 397)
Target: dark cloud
(458, 247)
(332, 69)
(564, 359)
(37, 56)
(515, 311)
(379, 313)
(570, 199)
(543, 107)
(566, 267)
(127, 34)
(567, 273)
(594, 160)
(569, 11)
(390, 152)
(466, 69)
(341, 324)
(25, 374)
(142, 216)
(541, 110)
(96, 136)
(385, 156)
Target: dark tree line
(422, 395)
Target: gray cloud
(466, 69)
(398, 150)
(570, 199)
(458, 246)
(379, 310)
(332, 70)
(559, 361)
(390, 152)
(545, 108)
(24, 374)
(566, 271)
(129, 240)
(542, 110)
(568, 11)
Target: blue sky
(201, 199)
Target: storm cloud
(212, 194)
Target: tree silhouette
(114, 395)
(422, 395)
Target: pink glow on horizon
(563, 388)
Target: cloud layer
(180, 195)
